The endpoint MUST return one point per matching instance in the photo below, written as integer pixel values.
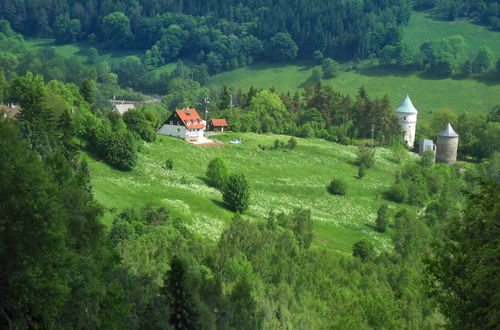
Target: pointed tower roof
(407, 106)
(448, 131)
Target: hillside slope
(280, 180)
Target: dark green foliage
(65, 29)
(337, 187)
(292, 143)
(282, 47)
(138, 122)
(236, 193)
(300, 221)
(88, 90)
(363, 250)
(183, 311)
(169, 164)
(330, 68)
(428, 159)
(398, 192)
(365, 157)
(116, 29)
(382, 220)
(121, 150)
(217, 173)
(243, 307)
(463, 271)
(361, 172)
(54, 256)
(411, 234)
(35, 260)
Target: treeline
(231, 31)
(58, 117)
(485, 12)
(321, 112)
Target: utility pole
(231, 101)
(206, 100)
(373, 133)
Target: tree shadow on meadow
(386, 70)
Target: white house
(185, 124)
(407, 115)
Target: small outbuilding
(426, 145)
(218, 125)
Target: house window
(178, 130)
(404, 118)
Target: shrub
(361, 172)
(337, 187)
(365, 157)
(292, 143)
(363, 250)
(121, 150)
(236, 193)
(169, 164)
(217, 173)
(382, 218)
(398, 192)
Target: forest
(62, 267)
(73, 272)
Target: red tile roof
(219, 122)
(191, 117)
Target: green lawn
(423, 28)
(428, 94)
(79, 49)
(280, 180)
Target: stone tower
(407, 115)
(447, 146)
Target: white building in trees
(407, 115)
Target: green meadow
(280, 180)
(428, 93)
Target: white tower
(407, 115)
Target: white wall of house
(182, 132)
(173, 130)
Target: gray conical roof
(407, 106)
(448, 131)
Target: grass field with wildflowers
(279, 179)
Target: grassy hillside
(428, 94)
(423, 28)
(79, 49)
(280, 180)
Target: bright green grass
(422, 28)
(428, 94)
(280, 180)
(79, 49)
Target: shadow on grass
(373, 227)
(311, 81)
(220, 204)
(386, 70)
